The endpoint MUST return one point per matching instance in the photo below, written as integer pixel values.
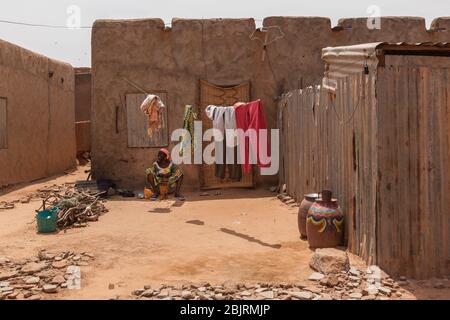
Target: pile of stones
(345, 286)
(334, 279)
(48, 273)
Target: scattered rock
(385, 291)
(331, 280)
(59, 264)
(330, 260)
(316, 276)
(25, 200)
(32, 280)
(138, 292)
(325, 296)
(50, 288)
(245, 293)
(370, 291)
(7, 275)
(355, 295)
(175, 293)
(354, 272)
(187, 295)
(354, 279)
(47, 274)
(34, 297)
(147, 293)
(267, 294)
(163, 293)
(43, 255)
(353, 284)
(302, 295)
(33, 267)
(313, 289)
(219, 296)
(111, 286)
(59, 279)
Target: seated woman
(164, 170)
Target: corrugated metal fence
(336, 141)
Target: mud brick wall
(219, 51)
(83, 98)
(40, 117)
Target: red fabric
(251, 116)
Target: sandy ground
(239, 235)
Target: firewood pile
(76, 208)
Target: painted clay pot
(325, 222)
(307, 202)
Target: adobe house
(37, 115)
(198, 62)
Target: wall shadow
(249, 238)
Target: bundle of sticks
(75, 207)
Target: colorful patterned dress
(172, 170)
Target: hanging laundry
(215, 114)
(152, 108)
(251, 116)
(224, 119)
(190, 116)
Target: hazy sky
(73, 45)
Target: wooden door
(137, 123)
(211, 94)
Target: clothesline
(243, 116)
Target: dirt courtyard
(236, 235)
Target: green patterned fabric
(188, 124)
(172, 171)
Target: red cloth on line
(251, 116)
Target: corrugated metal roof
(344, 60)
